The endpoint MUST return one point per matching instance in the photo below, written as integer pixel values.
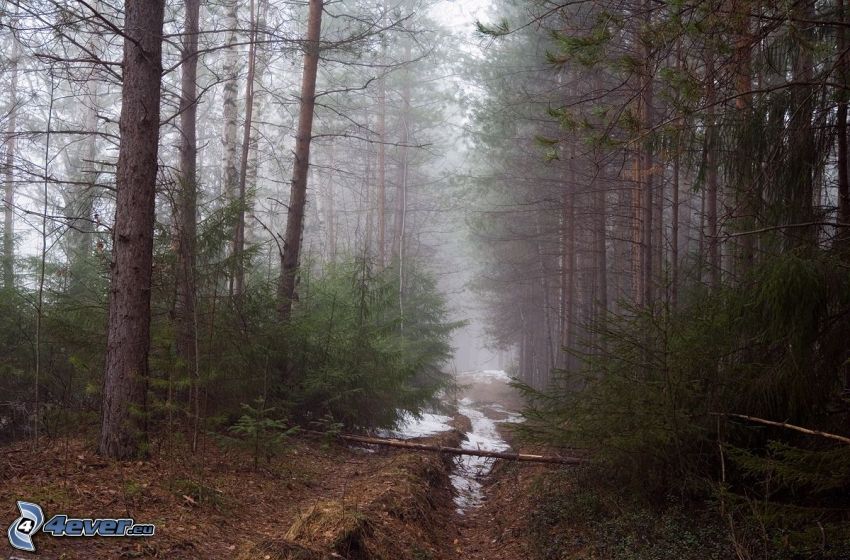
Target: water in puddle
(469, 470)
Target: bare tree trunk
(401, 192)
(42, 265)
(382, 165)
(9, 174)
(400, 225)
(803, 160)
(566, 254)
(674, 233)
(230, 134)
(638, 248)
(242, 198)
(711, 181)
(186, 210)
(750, 200)
(123, 426)
(331, 210)
(571, 253)
(80, 199)
(600, 238)
(298, 192)
(458, 451)
(230, 181)
(382, 177)
(841, 125)
(261, 63)
(647, 100)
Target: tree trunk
(186, 218)
(638, 248)
(600, 250)
(674, 211)
(458, 451)
(401, 187)
(230, 181)
(258, 104)
(711, 181)
(647, 100)
(331, 211)
(298, 192)
(242, 196)
(123, 426)
(841, 125)
(750, 199)
(80, 199)
(9, 174)
(382, 165)
(674, 233)
(804, 150)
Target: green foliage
(357, 356)
(650, 397)
(260, 433)
(198, 492)
(499, 29)
(577, 516)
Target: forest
(426, 279)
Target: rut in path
(490, 495)
(491, 525)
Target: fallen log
(459, 451)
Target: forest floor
(314, 501)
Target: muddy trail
(315, 500)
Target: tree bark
(9, 174)
(600, 250)
(261, 64)
(123, 425)
(750, 199)
(382, 165)
(242, 194)
(647, 99)
(458, 451)
(80, 199)
(674, 233)
(186, 210)
(230, 181)
(804, 150)
(711, 180)
(638, 247)
(298, 192)
(401, 187)
(841, 126)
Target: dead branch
(800, 429)
(459, 451)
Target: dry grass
(395, 512)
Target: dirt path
(498, 527)
(313, 501)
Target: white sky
(457, 14)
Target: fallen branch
(459, 451)
(800, 429)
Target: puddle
(469, 470)
(484, 435)
(426, 424)
(485, 394)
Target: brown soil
(497, 530)
(313, 502)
